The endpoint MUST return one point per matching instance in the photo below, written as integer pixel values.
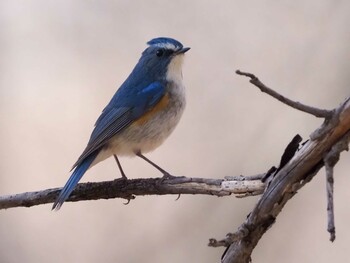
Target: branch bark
(285, 184)
(330, 160)
(128, 189)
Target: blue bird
(141, 114)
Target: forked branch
(285, 183)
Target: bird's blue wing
(124, 108)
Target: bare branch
(128, 189)
(330, 199)
(294, 104)
(230, 237)
(242, 232)
(297, 168)
(286, 182)
(331, 159)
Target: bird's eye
(160, 52)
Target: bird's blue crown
(166, 42)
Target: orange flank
(158, 107)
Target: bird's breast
(158, 108)
(149, 131)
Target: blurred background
(61, 61)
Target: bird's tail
(77, 174)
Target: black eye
(160, 52)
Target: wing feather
(119, 114)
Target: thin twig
(330, 200)
(320, 113)
(230, 237)
(331, 159)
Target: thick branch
(128, 189)
(293, 176)
(294, 104)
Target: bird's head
(163, 58)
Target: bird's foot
(129, 198)
(121, 179)
(124, 177)
(167, 176)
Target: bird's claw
(167, 176)
(131, 197)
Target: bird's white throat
(174, 72)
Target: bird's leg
(166, 175)
(120, 167)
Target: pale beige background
(60, 63)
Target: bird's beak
(182, 50)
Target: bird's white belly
(147, 137)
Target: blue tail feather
(77, 174)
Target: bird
(143, 112)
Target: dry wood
(128, 189)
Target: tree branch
(331, 159)
(287, 181)
(128, 189)
(294, 104)
(297, 168)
